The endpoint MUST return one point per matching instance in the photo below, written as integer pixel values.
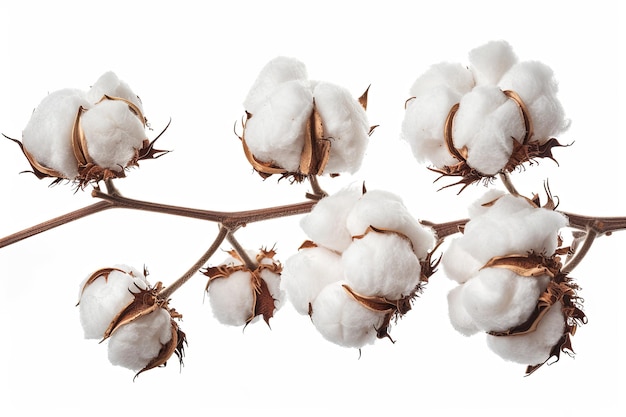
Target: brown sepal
(176, 345)
(103, 272)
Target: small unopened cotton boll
(381, 264)
(135, 344)
(103, 299)
(532, 348)
(326, 223)
(307, 272)
(342, 320)
(47, 135)
(113, 133)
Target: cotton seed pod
(141, 331)
(490, 118)
(295, 127)
(88, 136)
(239, 295)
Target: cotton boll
(455, 79)
(534, 82)
(231, 298)
(135, 344)
(459, 263)
(491, 61)
(385, 210)
(104, 298)
(326, 223)
(113, 133)
(422, 126)
(48, 134)
(459, 318)
(279, 70)
(307, 272)
(345, 125)
(342, 320)
(532, 348)
(482, 205)
(383, 265)
(498, 299)
(109, 84)
(486, 123)
(275, 132)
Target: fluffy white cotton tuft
(109, 84)
(491, 61)
(532, 348)
(47, 135)
(231, 298)
(278, 71)
(498, 299)
(345, 125)
(102, 300)
(113, 133)
(459, 317)
(381, 264)
(307, 272)
(341, 320)
(384, 210)
(275, 132)
(326, 223)
(135, 344)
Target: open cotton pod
(490, 117)
(87, 136)
(118, 304)
(295, 127)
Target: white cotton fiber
(272, 280)
(453, 78)
(326, 223)
(383, 265)
(48, 134)
(343, 321)
(231, 298)
(345, 125)
(307, 272)
(279, 70)
(534, 82)
(109, 84)
(498, 299)
(459, 318)
(532, 348)
(486, 123)
(275, 132)
(113, 134)
(102, 300)
(422, 126)
(384, 210)
(490, 61)
(135, 344)
(459, 262)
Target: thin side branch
(580, 254)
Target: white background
(194, 62)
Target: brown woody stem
(248, 262)
(168, 291)
(508, 184)
(55, 222)
(580, 254)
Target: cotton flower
(87, 136)
(298, 127)
(477, 121)
(362, 267)
(239, 295)
(118, 305)
(511, 286)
